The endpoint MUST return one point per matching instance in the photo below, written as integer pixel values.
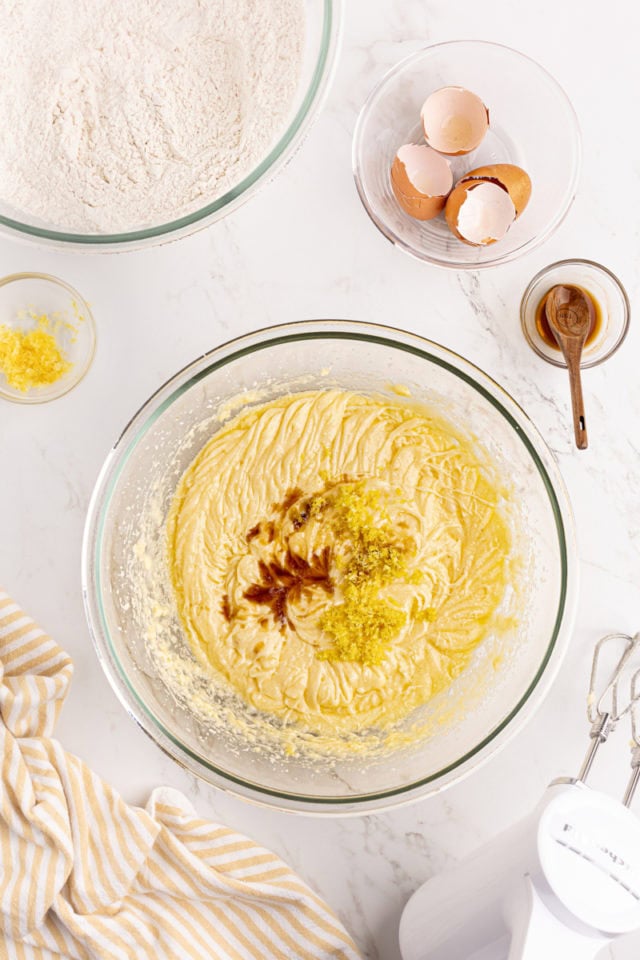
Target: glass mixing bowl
(24, 299)
(323, 21)
(481, 710)
(528, 111)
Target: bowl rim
(294, 332)
(280, 153)
(395, 238)
(81, 370)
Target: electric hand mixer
(559, 885)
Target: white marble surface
(304, 248)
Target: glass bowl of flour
(130, 122)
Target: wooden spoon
(571, 315)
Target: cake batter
(336, 557)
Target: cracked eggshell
(454, 120)
(421, 180)
(479, 212)
(515, 180)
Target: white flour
(116, 114)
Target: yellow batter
(336, 558)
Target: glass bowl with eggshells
(467, 154)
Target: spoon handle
(577, 402)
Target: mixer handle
(537, 933)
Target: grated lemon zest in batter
(364, 624)
(361, 627)
(428, 615)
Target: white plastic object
(564, 882)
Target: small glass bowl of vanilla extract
(611, 313)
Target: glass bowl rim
(88, 319)
(281, 151)
(174, 388)
(598, 268)
(397, 240)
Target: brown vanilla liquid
(544, 330)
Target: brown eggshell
(454, 120)
(452, 208)
(501, 219)
(416, 204)
(514, 179)
(414, 201)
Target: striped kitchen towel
(83, 875)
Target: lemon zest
(32, 358)
(364, 624)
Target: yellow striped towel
(83, 875)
